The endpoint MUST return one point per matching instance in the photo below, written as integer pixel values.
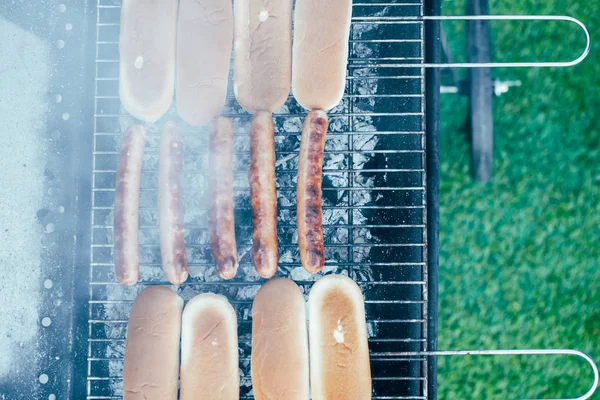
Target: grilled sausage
(127, 199)
(170, 205)
(310, 210)
(263, 194)
(220, 181)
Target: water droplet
(66, 116)
(50, 228)
(43, 379)
(60, 44)
(264, 15)
(52, 397)
(58, 98)
(139, 62)
(46, 321)
(69, 27)
(60, 209)
(62, 8)
(48, 283)
(57, 302)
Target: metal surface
(51, 38)
(375, 204)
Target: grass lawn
(520, 257)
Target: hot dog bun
(339, 350)
(320, 54)
(147, 57)
(204, 41)
(279, 342)
(209, 350)
(152, 350)
(263, 53)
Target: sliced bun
(209, 350)
(279, 342)
(204, 41)
(263, 53)
(320, 55)
(152, 350)
(339, 350)
(147, 57)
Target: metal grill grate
(374, 203)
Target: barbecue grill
(380, 195)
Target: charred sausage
(170, 205)
(220, 181)
(263, 194)
(309, 197)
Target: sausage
(220, 181)
(263, 194)
(170, 205)
(127, 200)
(310, 209)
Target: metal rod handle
(577, 353)
(576, 61)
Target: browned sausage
(310, 209)
(263, 194)
(170, 205)
(127, 200)
(220, 182)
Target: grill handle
(492, 18)
(577, 353)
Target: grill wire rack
(374, 195)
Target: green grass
(520, 257)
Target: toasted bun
(320, 55)
(152, 350)
(339, 350)
(279, 342)
(147, 57)
(263, 53)
(209, 350)
(204, 41)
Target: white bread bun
(279, 342)
(339, 349)
(209, 350)
(320, 55)
(204, 41)
(262, 53)
(147, 57)
(152, 351)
